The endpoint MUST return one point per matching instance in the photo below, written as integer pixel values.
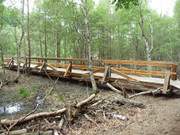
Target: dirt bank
(160, 117)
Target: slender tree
(87, 37)
(28, 36)
(45, 34)
(19, 42)
(147, 40)
(1, 27)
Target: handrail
(80, 62)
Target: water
(18, 107)
(11, 108)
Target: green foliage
(61, 98)
(177, 12)
(114, 34)
(24, 92)
(125, 3)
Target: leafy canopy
(125, 3)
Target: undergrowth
(24, 92)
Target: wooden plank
(144, 72)
(166, 83)
(113, 62)
(139, 63)
(123, 75)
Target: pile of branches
(56, 121)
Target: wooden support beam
(11, 62)
(123, 75)
(107, 73)
(68, 70)
(25, 64)
(174, 70)
(52, 67)
(42, 67)
(166, 83)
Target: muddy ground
(160, 117)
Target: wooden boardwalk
(151, 75)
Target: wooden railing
(141, 68)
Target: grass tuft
(24, 92)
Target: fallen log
(47, 114)
(128, 102)
(50, 132)
(154, 92)
(16, 132)
(86, 101)
(33, 116)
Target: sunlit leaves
(125, 3)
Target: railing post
(174, 70)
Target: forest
(55, 28)
(89, 67)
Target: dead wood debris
(56, 121)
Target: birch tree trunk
(87, 38)
(19, 42)
(148, 42)
(45, 36)
(28, 37)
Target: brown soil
(160, 117)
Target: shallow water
(11, 108)
(20, 107)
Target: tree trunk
(87, 38)
(45, 36)
(40, 45)
(2, 59)
(19, 43)
(17, 52)
(57, 45)
(148, 43)
(28, 37)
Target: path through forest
(161, 117)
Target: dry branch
(33, 116)
(16, 132)
(113, 88)
(146, 92)
(45, 114)
(60, 125)
(86, 101)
